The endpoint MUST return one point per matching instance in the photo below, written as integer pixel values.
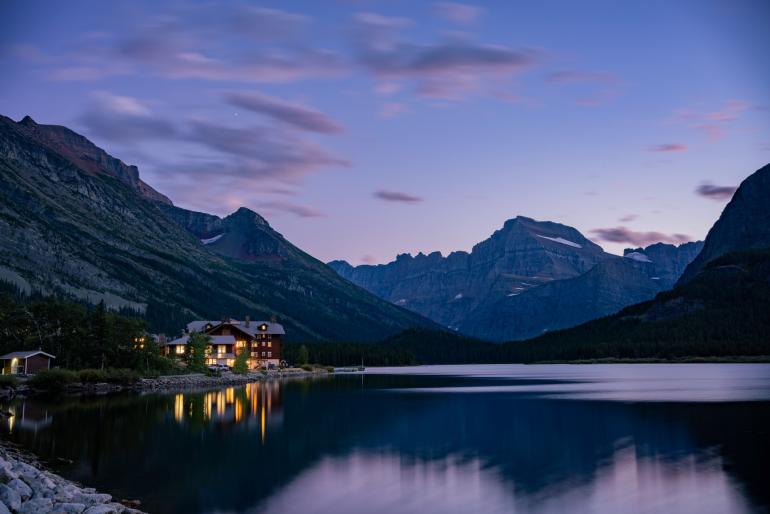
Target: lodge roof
(214, 340)
(252, 329)
(24, 354)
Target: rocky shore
(27, 488)
(199, 380)
(169, 383)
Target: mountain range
(720, 305)
(78, 223)
(529, 277)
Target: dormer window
(263, 327)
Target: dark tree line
(79, 336)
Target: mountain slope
(527, 278)
(721, 308)
(92, 234)
(606, 288)
(523, 254)
(743, 225)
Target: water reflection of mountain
(233, 450)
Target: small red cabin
(26, 363)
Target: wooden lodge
(26, 362)
(229, 337)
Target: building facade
(229, 337)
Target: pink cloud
(669, 147)
(715, 192)
(457, 12)
(448, 69)
(302, 211)
(396, 196)
(626, 235)
(297, 115)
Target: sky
(364, 129)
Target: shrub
(109, 375)
(53, 379)
(307, 367)
(92, 376)
(122, 376)
(8, 381)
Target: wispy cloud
(626, 235)
(187, 42)
(628, 218)
(396, 196)
(457, 12)
(302, 211)
(668, 147)
(297, 115)
(715, 192)
(714, 124)
(448, 69)
(124, 119)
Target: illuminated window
(230, 362)
(179, 349)
(221, 349)
(240, 344)
(269, 345)
(269, 354)
(263, 354)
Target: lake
(444, 439)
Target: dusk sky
(364, 129)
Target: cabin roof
(252, 329)
(25, 355)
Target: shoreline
(27, 486)
(164, 383)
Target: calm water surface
(445, 439)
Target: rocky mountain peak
(246, 215)
(743, 225)
(27, 121)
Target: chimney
(162, 338)
(273, 319)
(247, 321)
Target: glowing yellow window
(179, 349)
(221, 349)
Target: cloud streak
(668, 147)
(457, 12)
(448, 69)
(297, 115)
(714, 192)
(626, 235)
(396, 196)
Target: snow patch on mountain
(636, 256)
(561, 240)
(211, 239)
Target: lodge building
(229, 337)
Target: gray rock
(6, 472)
(91, 498)
(68, 508)
(10, 497)
(36, 506)
(4, 509)
(25, 492)
(106, 508)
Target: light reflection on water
(650, 438)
